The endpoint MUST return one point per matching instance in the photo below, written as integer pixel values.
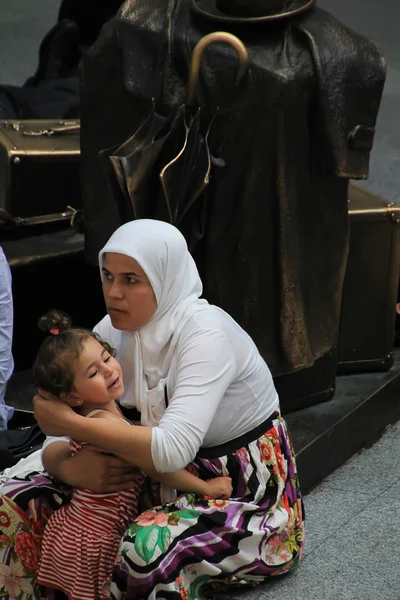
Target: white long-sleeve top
(218, 385)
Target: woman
(205, 396)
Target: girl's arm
(219, 487)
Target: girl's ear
(73, 399)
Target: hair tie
(54, 330)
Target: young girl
(81, 539)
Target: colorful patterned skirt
(26, 505)
(186, 549)
(190, 547)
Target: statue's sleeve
(350, 73)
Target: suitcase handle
(72, 214)
(54, 131)
(9, 219)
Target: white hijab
(161, 250)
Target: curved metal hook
(212, 38)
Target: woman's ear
(72, 398)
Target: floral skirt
(196, 545)
(26, 505)
(186, 549)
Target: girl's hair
(52, 369)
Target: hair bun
(54, 319)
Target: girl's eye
(107, 359)
(92, 374)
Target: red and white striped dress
(81, 539)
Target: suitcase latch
(394, 217)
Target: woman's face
(128, 295)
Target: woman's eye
(107, 359)
(131, 280)
(107, 276)
(92, 374)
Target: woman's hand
(54, 416)
(90, 468)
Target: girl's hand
(219, 487)
(53, 416)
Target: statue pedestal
(328, 434)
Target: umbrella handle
(211, 38)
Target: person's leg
(6, 334)
(197, 547)
(49, 99)
(55, 98)
(10, 107)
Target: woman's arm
(90, 468)
(183, 480)
(129, 443)
(205, 369)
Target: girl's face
(128, 294)
(98, 378)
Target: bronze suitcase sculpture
(370, 287)
(40, 196)
(39, 167)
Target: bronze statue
(270, 230)
(251, 11)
